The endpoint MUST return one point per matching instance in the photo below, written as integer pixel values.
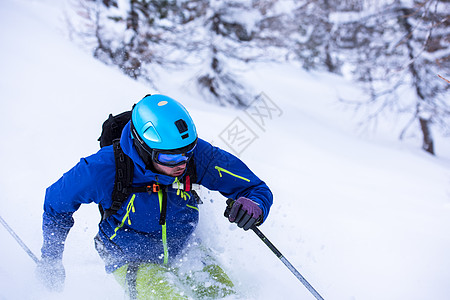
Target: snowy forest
(354, 90)
(397, 51)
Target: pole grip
(266, 241)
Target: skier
(140, 240)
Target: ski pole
(286, 262)
(17, 238)
(278, 254)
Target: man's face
(170, 171)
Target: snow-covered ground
(360, 217)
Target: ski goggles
(171, 159)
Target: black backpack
(111, 133)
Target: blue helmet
(159, 122)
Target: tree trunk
(428, 144)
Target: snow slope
(360, 218)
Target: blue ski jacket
(134, 233)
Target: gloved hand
(244, 212)
(51, 273)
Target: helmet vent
(181, 126)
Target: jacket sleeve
(221, 171)
(82, 184)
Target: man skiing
(140, 238)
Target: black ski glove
(244, 212)
(51, 273)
